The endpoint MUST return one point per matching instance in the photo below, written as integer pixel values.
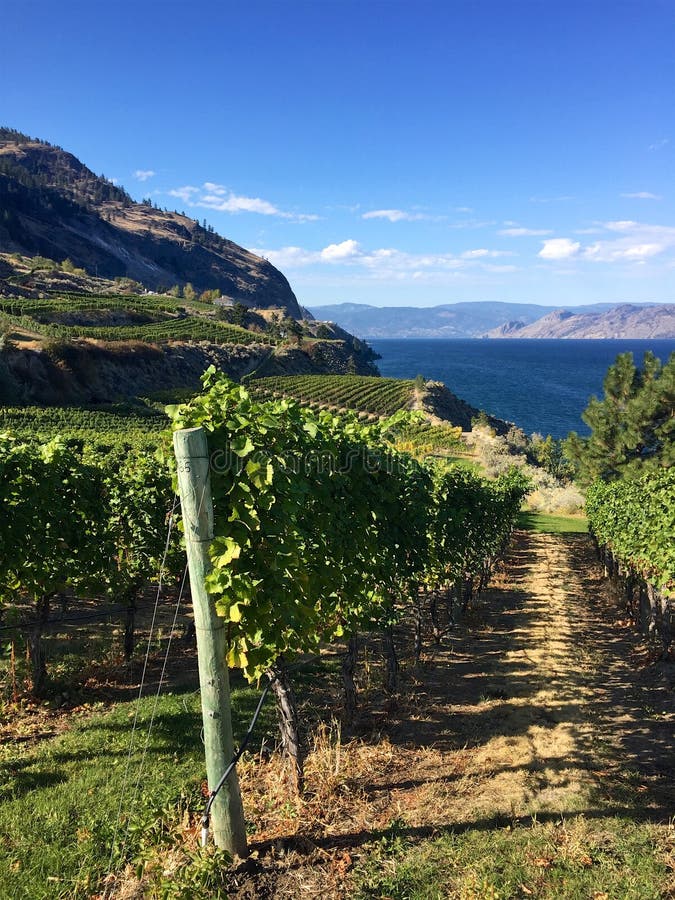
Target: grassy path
(531, 756)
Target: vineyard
(64, 302)
(360, 393)
(339, 541)
(126, 423)
(633, 521)
(171, 319)
(286, 466)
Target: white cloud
(463, 209)
(612, 251)
(641, 251)
(340, 252)
(387, 263)
(400, 215)
(472, 223)
(234, 203)
(184, 193)
(660, 144)
(213, 188)
(392, 215)
(622, 225)
(628, 241)
(221, 199)
(288, 257)
(559, 248)
(144, 174)
(483, 252)
(524, 232)
(642, 195)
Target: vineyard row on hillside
(190, 328)
(633, 522)
(65, 302)
(362, 393)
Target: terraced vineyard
(66, 302)
(171, 323)
(361, 393)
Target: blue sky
(393, 153)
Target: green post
(194, 486)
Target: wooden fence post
(194, 485)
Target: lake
(541, 385)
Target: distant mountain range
(625, 321)
(502, 320)
(54, 206)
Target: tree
(293, 329)
(550, 455)
(239, 314)
(189, 293)
(632, 426)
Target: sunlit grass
(574, 858)
(550, 524)
(60, 799)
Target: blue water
(541, 385)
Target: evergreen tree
(632, 426)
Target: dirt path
(542, 704)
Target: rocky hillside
(78, 372)
(626, 321)
(441, 405)
(54, 206)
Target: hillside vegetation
(67, 337)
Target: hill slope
(625, 321)
(53, 205)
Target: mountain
(498, 320)
(451, 320)
(625, 321)
(54, 206)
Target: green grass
(60, 799)
(549, 524)
(572, 859)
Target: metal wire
(140, 689)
